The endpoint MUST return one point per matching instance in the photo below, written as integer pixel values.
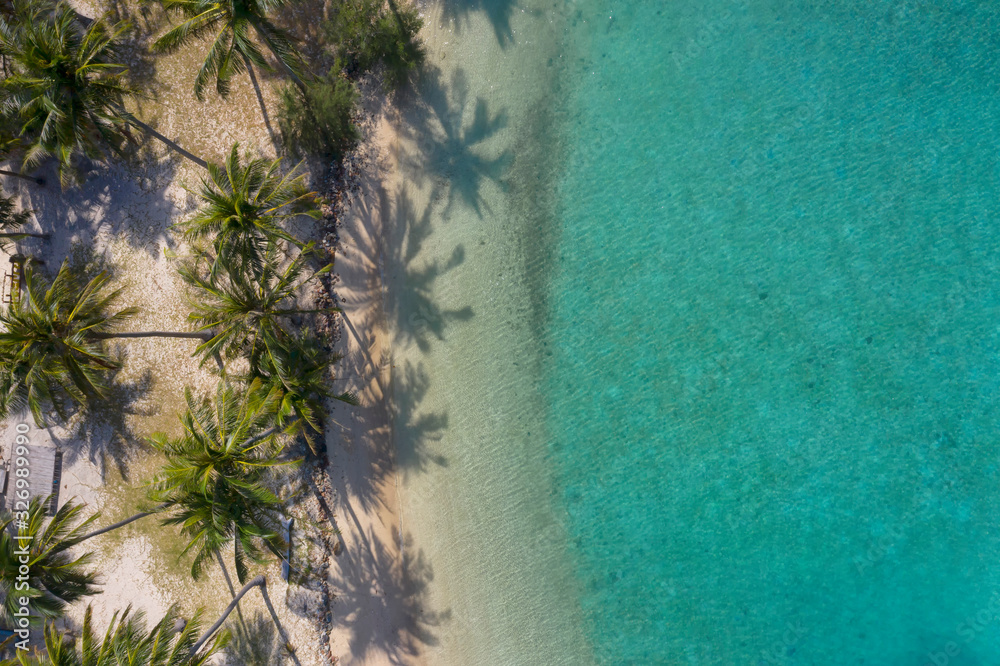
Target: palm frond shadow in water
(497, 12)
(416, 316)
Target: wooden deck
(45, 465)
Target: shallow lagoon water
(720, 378)
(773, 408)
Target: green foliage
(297, 372)
(248, 316)
(247, 313)
(11, 220)
(244, 206)
(55, 578)
(51, 350)
(367, 33)
(320, 120)
(216, 479)
(231, 24)
(66, 90)
(126, 641)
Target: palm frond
(51, 347)
(216, 479)
(67, 86)
(233, 48)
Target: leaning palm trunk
(15, 174)
(25, 234)
(121, 523)
(156, 334)
(261, 582)
(173, 145)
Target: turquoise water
(773, 319)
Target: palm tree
(231, 23)
(55, 577)
(244, 208)
(127, 641)
(247, 313)
(297, 371)
(67, 90)
(52, 346)
(260, 582)
(216, 479)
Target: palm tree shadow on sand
(255, 644)
(146, 21)
(415, 318)
(127, 200)
(378, 581)
(452, 150)
(414, 431)
(104, 434)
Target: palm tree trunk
(310, 311)
(15, 174)
(22, 234)
(121, 523)
(232, 590)
(85, 21)
(264, 435)
(261, 582)
(155, 334)
(258, 581)
(170, 144)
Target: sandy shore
(372, 616)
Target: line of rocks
(343, 182)
(324, 496)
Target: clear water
(703, 311)
(773, 402)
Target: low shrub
(320, 121)
(367, 32)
